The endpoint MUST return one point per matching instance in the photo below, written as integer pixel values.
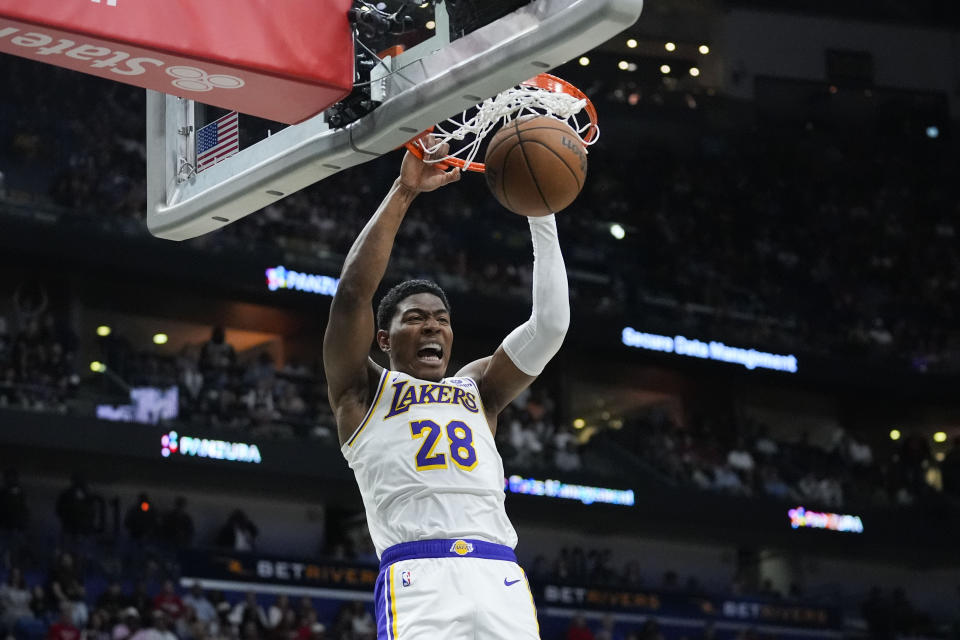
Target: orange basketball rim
(544, 94)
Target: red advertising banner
(284, 61)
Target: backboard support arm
(418, 89)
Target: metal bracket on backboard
(420, 89)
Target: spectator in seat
(98, 626)
(157, 629)
(739, 458)
(177, 525)
(64, 628)
(859, 453)
(141, 519)
(726, 479)
(15, 613)
(188, 366)
(199, 602)
(66, 591)
(217, 357)
(238, 533)
(278, 611)
(189, 627)
(261, 370)
(14, 516)
(249, 610)
(113, 600)
(306, 606)
(40, 604)
(309, 625)
(567, 459)
(249, 631)
(764, 445)
(169, 602)
(286, 629)
(141, 600)
(607, 630)
(773, 485)
(578, 629)
(127, 625)
(76, 508)
(362, 626)
(14, 512)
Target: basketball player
(421, 445)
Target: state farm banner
(284, 61)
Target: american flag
(217, 140)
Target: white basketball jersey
(427, 465)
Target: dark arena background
(751, 431)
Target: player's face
(420, 337)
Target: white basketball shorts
(453, 590)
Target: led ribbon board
(713, 350)
(558, 489)
(280, 277)
(800, 518)
(148, 405)
(172, 443)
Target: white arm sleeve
(531, 345)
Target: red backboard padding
(283, 60)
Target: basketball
(536, 165)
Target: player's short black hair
(388, 305)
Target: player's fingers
(452, 176)
(440, 152)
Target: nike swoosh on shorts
(510, 583)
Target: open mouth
(431, 352)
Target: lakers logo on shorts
(461, 547)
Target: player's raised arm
(350, 330)
(527, 350)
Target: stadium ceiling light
(160, 338)
(103, 331)
(431, 25)
(97, 367)
(704, 49)
(665, 69)
(940, 436)
(694, 71)
(579, 423)
(895, 434)
(584, 61)
(632, 43)
(617, 231)
(623, 65)
(670, 46)
(424, 5)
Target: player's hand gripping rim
(419, 175)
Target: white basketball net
(500, 110)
